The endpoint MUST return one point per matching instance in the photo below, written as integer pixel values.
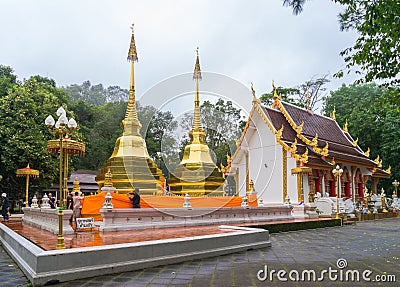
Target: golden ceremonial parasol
(27, 172)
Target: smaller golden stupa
(197, 174)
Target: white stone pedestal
(47, 219)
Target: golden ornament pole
(27, 172)
(60, 237)
(337, 172)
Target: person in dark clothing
(5, 208)
(135, 198)
(52, 201)
(70, 204)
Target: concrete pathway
(370, 248)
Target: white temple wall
(292, 179)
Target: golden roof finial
(389, 170)
(274, 90)
(132, 54)
(228, 159)
(367, 152)
(377, 159)
(299, 128)
(380, 163)
(333, 115)
(293, 147)
(254, 93)
(355, 142)
(279, 133)
(314, 141)
(304, 157)
(108, 179)
(308, 100)
(325, 150)
(333, 162)
(345, 127)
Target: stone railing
(134, 218)
(47, 219)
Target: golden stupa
(197, 174)
(130, 163)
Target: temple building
(197, 174)
(289, 153)
(130, 163)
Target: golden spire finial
(197, 71)
(345, 127)
(108, 179)
(132, 54)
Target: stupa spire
(197, 76)
(131, 122)
(197, 134)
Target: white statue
(45, 202)
(34, 202)
(349, 206)
(186, 202)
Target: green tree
(374, 118)
(376, 52)
(96, 94)
(23, 134)
(7, 80)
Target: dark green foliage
(374, 118)
(376, 52)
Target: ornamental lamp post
(27, 172)
(63, 145)
(395, 183)
(337, 172)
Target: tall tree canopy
(374, 118)
(376, 52)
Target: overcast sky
(252, 41)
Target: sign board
(85, 222)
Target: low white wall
(47, 219)
(132, 218)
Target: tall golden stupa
(197, 174)
(130, 163)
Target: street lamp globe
(72, 124)
(49, 121)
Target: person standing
(52, 201)
(70, 204)
(135, 198)
(77, 205)
(5, 208)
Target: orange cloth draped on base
(93, 203)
